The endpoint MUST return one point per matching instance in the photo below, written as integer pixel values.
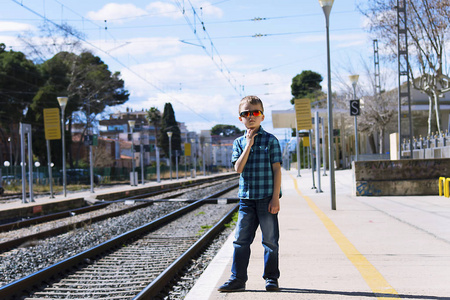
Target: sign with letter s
(354, 108)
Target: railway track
(132, 265)
(9, 238)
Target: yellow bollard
(447, 188)
(441, 185)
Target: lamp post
(354, 81)
(169, 134)
(132, 123)
(62, 103)
(204, 164)
(6, 164)
(194, 149)
(37, 165)
(326, 7)
(10, 151)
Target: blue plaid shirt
(256, 180)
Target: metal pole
(176, 163)
(158, 167)
(311, 159)
(133, 164)
(356, 127)
(63, 130)
(30, 164)
(49, 163)
(22, 159)
(133, 177)
(316, 118)
(91, 167)
(204, 168)
(170, 156)
(305, 165)
(142, 163)
(327, 10)
(298, 153)
(10, 152)
(323, 148)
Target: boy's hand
(251, 133)
(274, 206)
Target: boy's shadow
(350, 294)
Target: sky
(204, 56)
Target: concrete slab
(370, 247)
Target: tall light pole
(194, 149)
(62, 103)
(326, 7)
(10, 151)
(132, 123)
(37, 165)
(354, 81)
(169, 134)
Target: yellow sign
(303, 114)
(305, 141)
(52, 124)
(187, 149)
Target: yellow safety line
(376, 281)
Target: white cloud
(15, 26)
(115, 12)
(191, 70)
(172, 11)
(208, 9)
(153, 46)
(164, 9)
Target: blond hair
(253, 100)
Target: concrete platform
(369, 248)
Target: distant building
(118, 129)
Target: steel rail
(160, 282)
(32, 282)
(9, 244)
(68, 213)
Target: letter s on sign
(354, 108)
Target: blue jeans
(251, 214)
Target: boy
(257, 157)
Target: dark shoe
(232, 286)
(272, 285)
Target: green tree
(154, 118)
(169, 123)
(226, 130)
(19, 82)
(88, 83)
(306, 85)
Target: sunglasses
(247, 113)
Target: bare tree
(51, 39)
(427, 26)
(377, 111)
(102, 155)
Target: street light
(62, 103)
(354, 81)
(6, 164)
(326, 7)
(132, 123)
(169, 134)
(10, 151)
(37, 165)
(194, 149)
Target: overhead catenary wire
(221, 65)
(43, 17)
